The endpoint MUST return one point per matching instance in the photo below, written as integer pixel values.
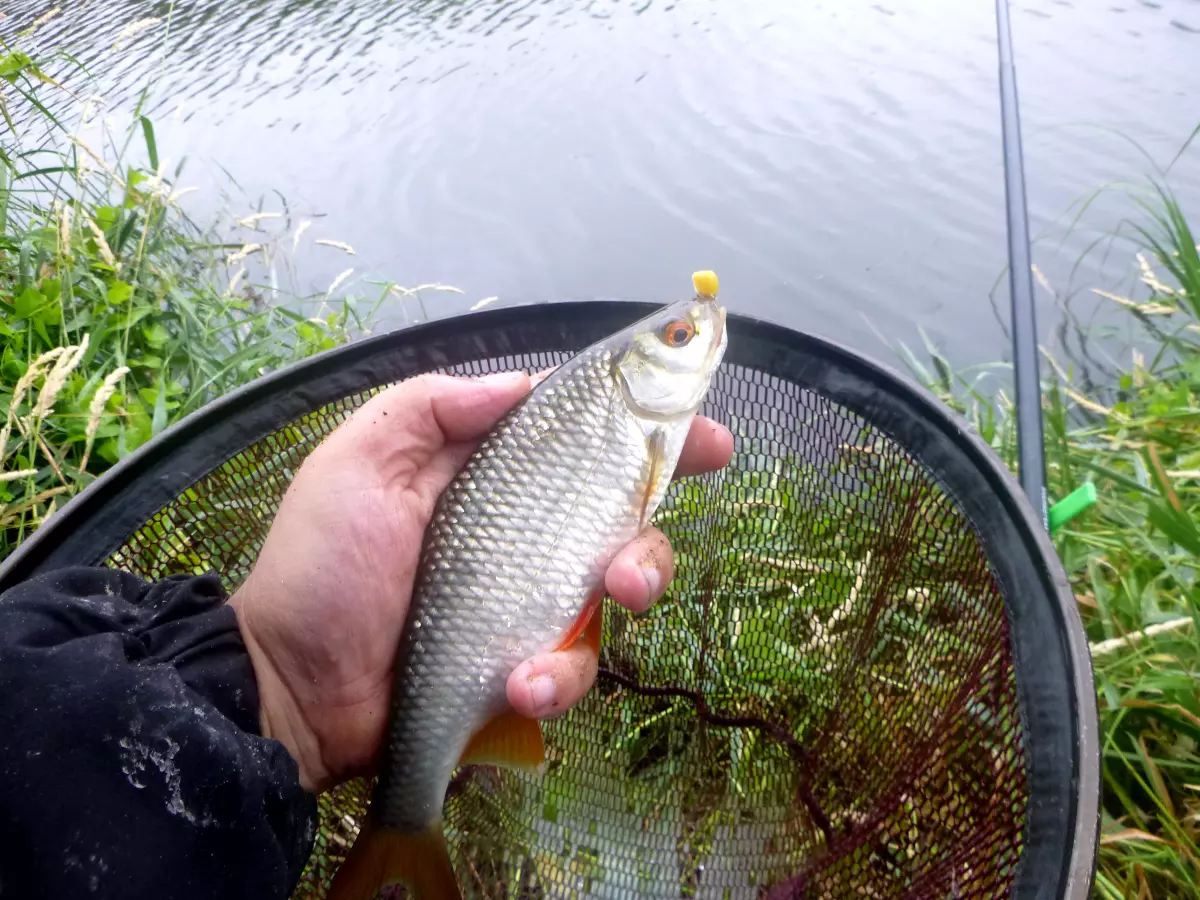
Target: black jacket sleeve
(131, 757)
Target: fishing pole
(1026, 367)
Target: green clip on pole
(1071, 505)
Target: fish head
(669, 357)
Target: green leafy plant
(118, 315)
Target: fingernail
(544, 692)
(653, 581)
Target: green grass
(1133, 558)
(118, 315)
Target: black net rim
(1051, 657)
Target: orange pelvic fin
(510, 740)
(588, 627)
(381, 857)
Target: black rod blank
(1026, 367)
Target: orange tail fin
(381, 857)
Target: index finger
(708, 447)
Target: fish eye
(678, 333)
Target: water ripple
(830, 159)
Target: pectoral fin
(656, 459)
(510, 740)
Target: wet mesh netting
(825, 704)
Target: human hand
(322, 611)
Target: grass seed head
(64, 365)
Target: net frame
(1050, 656)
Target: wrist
(280, 717)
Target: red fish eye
(678, 333)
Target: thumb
(465, 408)
(427, 412)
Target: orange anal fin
(587, 627)
(510, 740)
(381, 857)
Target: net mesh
(824, 705)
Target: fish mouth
(717, 348)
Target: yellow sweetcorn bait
(705, 283)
